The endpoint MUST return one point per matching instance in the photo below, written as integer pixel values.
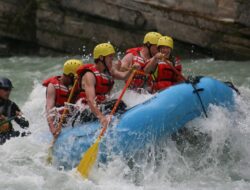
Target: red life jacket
(178, 77)
(62, 92)
(104, 82)
(178, 68)
(139, 81)
(136, 56)
(166, 76)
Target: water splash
(211, 154)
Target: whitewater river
(219, 159)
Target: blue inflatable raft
(144, 124)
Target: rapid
(212, 154)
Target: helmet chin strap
(106, 67)
(148, 45)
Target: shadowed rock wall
(17, 26)
(220, 27)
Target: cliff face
(221, 27)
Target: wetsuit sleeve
(21, 121)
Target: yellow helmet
(166, 41)
(103, 49)
(152, 38)
(71, 66)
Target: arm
(50, 103)
(120, 75)
(88, 84)
(126, 62)
(125, 67)
(152, 64)
(21, 120)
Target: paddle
(58, 130)
(4, 127)
(90, 156)
(7, 121)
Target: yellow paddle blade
(88, 160)
(50, 155)
(50, 152)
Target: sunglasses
(70, 75)
(6, 89)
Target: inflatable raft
(144, 124)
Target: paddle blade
(50, 152)
(50, 155)
(88, 160)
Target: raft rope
(193, 81)
(231, 85)
(148, 45)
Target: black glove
(22, 122)
(24, 134)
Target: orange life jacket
(104, 82)
(62, 92)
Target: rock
(66, 26)
(4, 49)
(244, 13)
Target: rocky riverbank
(218, 28)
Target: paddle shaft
(59, 128)
(7, 120)
(118, 101)
(90, 156)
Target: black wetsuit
(9, 109)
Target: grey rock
(66, 26)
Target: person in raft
(97, 80)
(164, 67)
(138, 57)
(58, 91)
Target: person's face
(108, 60)
(153, 49)
(165, 50)
(5, 93)
(68, 79)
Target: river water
(221, 161)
